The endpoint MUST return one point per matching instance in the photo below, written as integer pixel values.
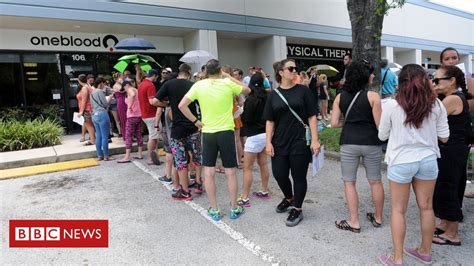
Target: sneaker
(413, 252)
(215, 214)
(192, 184)
(165, 179)
(174, 190)
(192, 177)
(262, 195)
(387, 260)
(244, 202)
(198, 188)
(182, 195)
(283, 206)
(294, 218)
(236, 212)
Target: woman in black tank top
(446, 202)
(359, 139)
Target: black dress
(451, 165)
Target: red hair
(415, 95)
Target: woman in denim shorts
(413, 122)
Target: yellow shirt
(215, 97)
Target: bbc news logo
(59, 233)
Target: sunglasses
(291, 69)
(436, 80)
(165, 72)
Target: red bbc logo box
(59, 233)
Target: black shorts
(223, 142)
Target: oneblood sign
(59, 233)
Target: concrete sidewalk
(70, 149)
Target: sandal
(88, 143)
(438, 231)
(100, 158)
(446, 242)
(82, 139)
(343, 225)
(137, 157)
(371, 217)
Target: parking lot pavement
(147, 226)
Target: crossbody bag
(306, 127)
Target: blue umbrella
(134, 44)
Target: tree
(366, 22)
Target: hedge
(22, 135)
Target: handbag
(308, 130)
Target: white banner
(80, 42)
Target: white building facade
(79, 36)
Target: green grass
(329, 137)
(22, 135)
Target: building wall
(237, 53)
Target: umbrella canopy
(142, 60)
(394, 65)
(134, 44)
(328, 70)
(197, 57)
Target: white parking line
(237, 236)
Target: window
(11, 92)
(42, 77)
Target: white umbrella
(197, 57)
(394, 65)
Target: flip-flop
(124, 161)
(438, 231)
(371, 217)
(137, 157)
(343, 225)
(469, 195)
(88, 143)
(447, 242)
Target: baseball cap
(152, 72)
(169, 69)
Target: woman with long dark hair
(450, 82)
(413, 123)
(254, 130)
(361, 110)
(289, 112)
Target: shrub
(329, 137)
(21, 135)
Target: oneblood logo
(59, 233)
(72, 41)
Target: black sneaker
(294, 218)
(165, 179)
(283, 206)
(181, 195)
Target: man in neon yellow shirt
(215, 96)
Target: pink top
(135, 110)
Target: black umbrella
(134, 44)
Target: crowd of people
(217, 120)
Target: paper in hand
(78, 119)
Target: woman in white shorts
(413, 122)
(254, 130)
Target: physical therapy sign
(59, 233)
(319, 52)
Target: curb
(46, 168)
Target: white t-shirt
(408, 144)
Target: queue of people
(426, 123)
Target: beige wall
(409, 21)
(237, 53)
